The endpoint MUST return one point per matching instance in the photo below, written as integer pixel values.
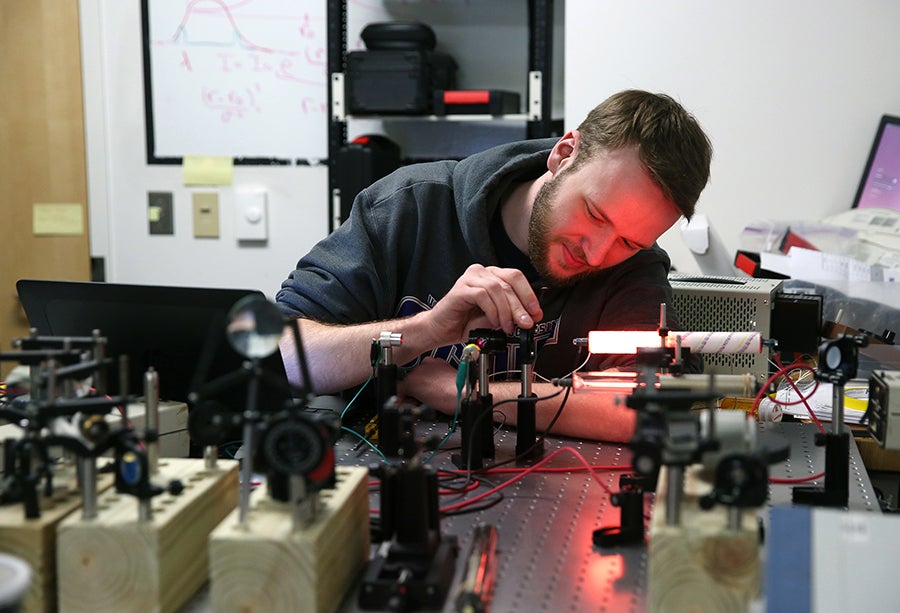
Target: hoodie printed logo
(509, 361)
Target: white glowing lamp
(621, 341)
(629, 341)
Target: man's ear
(564, 151)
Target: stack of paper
(856, 397)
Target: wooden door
(42, 149)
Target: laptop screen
(880, 183)
(172, 329)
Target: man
(559, 236)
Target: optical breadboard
(727, 304)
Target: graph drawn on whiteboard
(239, 78)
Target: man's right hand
(485, 297)
(338, 355)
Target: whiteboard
(239, 78)
(248, 78)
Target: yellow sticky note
(57, 219)
(207, 170)
(154, 213)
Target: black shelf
(537, 114)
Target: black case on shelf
(398, 82)
(407, 35)
(360, 163)
(475, 101)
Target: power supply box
(884, 408)
(727, 304)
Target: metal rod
(87, 475)
(735, 515)
(145, 510)
(151, 418)
(837, 411)
(210, 456)
(246, 472)
(674, 489)
(297, 495)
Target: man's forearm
(337, 357)
(588, 415)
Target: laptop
(179, 331)
(880, 183)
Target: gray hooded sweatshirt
(412, 234)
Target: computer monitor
(880, 182)
(169, 328)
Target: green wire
(461, 374)
(367, 442)
(356, 395)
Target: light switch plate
(206, 214)
(159, 213)
(251, 221)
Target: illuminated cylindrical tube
(724, 384)
(721, 342)
(626, 342)
(621, 341)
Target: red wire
(493, 490)
(781, 372)
(559, 469)
(796, 479)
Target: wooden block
(116, 563)
(701, 565)
(265, 566)
(34, 540)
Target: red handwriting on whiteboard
(231, 104)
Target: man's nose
(597, 245)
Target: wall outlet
(206, 214)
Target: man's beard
(539, 228)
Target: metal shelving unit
(539, 97)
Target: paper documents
(856, 397)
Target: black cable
(535, 399)
(543, 437)
(475, 508)
(546, 432)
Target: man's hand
(338, 355)
(486, 297)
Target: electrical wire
(356, 395)
(542, 377)
(527, 471)
(555, 418)
(535, 399)
(784, 371)
(367, 442)
(780, 480)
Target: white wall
(119, 177)
(790, 92)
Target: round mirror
(254, 327)
(833, 357)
